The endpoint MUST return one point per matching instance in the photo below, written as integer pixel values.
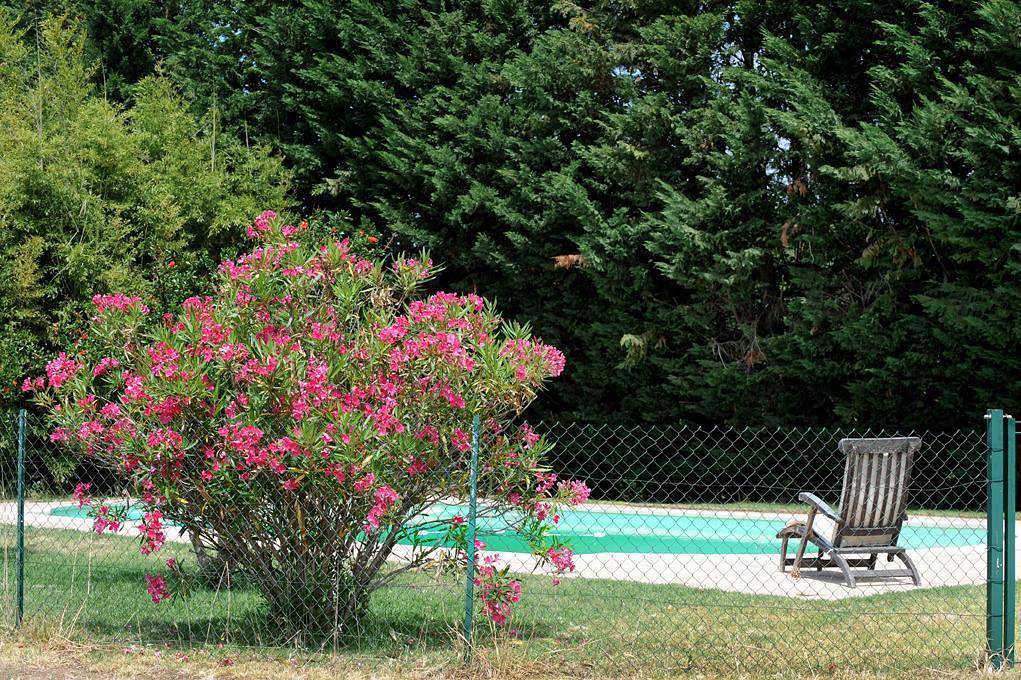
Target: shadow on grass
(108, 603)
(93, 589)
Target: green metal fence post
(19, 567)
(994, 543)
(469, 586)
(1009, 553)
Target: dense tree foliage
(98, 196)
(733, 210)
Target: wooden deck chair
(872, 510)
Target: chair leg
(915, 576)
(796, 571)
(839, 560)
(818, 563)
(783, 554)
(872, 561)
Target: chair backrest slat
(874, 497)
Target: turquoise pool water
(646, 532)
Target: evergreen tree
(726, 211)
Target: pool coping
(754, 574)
(920, 519)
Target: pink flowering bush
(305, 416)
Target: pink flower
(336, 471)
(455, 400)
(416, 467)
(575, 491)
(105, 522)
(421, 269)
(105, 365)
(165, 410)
(110, 411)
(151, 529)
(33, 384)
(134, 389)
(544, 482)
(164, 360)
(461, 440)
(530, 351)
(262, 225)
(81, 494)
(119, 302)
(233, 352)
(393, 333)
(497, 591)
(89, 429)
(60, 370)
(562, 559)
(385, 498)
(157, 588)
(164, 438)
(430, 434)
(528, 436)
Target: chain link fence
(676, 563)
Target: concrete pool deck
(756, 574)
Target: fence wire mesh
(676, 562)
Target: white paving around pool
(751, 574)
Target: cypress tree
(734, 211)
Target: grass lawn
(88, 592)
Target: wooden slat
(884, 489)
(874, 493)
(851, 472)
(891, 493)
(884, 549)
(868, 531)
(814, 562)
(860, 484)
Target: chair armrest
(820, 505)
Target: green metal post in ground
(994, 543)
(1009, 553)
(469, 587)
(19, 566)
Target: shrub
(306, 416)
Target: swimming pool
(643, 531)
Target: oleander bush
(306, 417)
